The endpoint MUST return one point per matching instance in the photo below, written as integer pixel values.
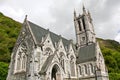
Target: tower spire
(25, 17)
(89, 16)
(83, 7)
(84, 11)
(74, 14)
(83, 23)
(89, 13)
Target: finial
(60, 36)
(89, 15)
(84, 8)
(74, 13)
(48, 30)
(25, 17)
(71, 40)
(88, 12)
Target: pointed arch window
(80, 70)
(91, 68)
(79, 24)
(85, 69)
(21, 59)
(62, 59)
(83, 23)
(72, 66)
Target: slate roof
(40, 32)
(87, 53)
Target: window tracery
(18, 62)
(62, 59)
(48, 51)
(21, 59)
(72, 66)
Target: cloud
(117, 38)
(62, 12)
(58, 15)
(105, 14)
(16, 14)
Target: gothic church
(40, 54)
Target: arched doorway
(56, 75)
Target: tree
(3, 70)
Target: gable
(24, 36)
(48, 43)
(71, 50)
(61, 47)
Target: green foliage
(111, 64)
(114, 76)
(3, 70)
(111, 53)
(8, 33)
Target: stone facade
(43, 55)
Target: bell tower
(85, 34)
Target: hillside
(9, 30)
(8, 33)
(111, 53)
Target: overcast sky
(57, 15)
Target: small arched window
(79, 24)
(72, 66)
(85, 69)
(80, 70)
(62, 59)
(91, 68)
(83, 21)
